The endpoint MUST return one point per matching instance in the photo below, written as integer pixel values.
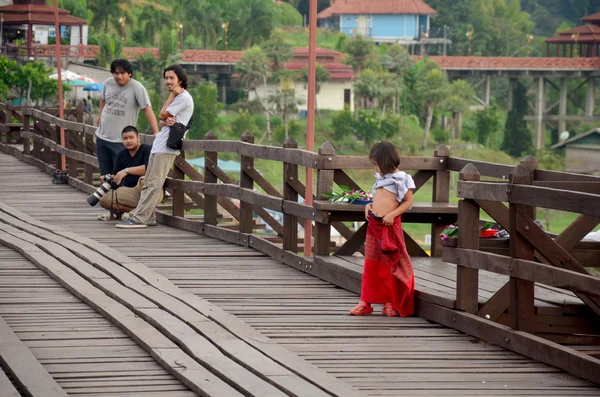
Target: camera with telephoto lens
(101, 191)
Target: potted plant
(450, 234)
(351, 196)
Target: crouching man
(128, 175)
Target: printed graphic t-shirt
(121, 108)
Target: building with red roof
(33, 22)
(334, 94)
(583, 41)
(383, 21)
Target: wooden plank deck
(82, 351)
(379, 355)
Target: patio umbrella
(77, 83)
(93, 87)
(66, 75)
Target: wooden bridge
(209, 304)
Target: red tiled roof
(509, 63)
(586, 34)
(447, 62)
(592, 18)
(209, 56)
(337, 71)
(341, 7)
(18, 14)
(135, 52)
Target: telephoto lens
(95, 197)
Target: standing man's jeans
(106, 152)
(156, 174)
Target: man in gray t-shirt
(122, 99)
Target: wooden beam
(25, 369)
(524, 269)
(570, 360)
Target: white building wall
(79, 35)
(331, 96)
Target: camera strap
(114, 198)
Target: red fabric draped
(388, 272)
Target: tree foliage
(111, 47)
(8, 72)
(487, 125)
(518, 139)
(368, 127)
(206, 109)
(106, 13)
(431, 87)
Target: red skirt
(388, 272)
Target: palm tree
(254, 69)
(368, 89)
(321, 76)
(106, 11)
(153, 18)
(286, 102)
(203, 19)
(432, 86)
(111, 47)
(457, 102)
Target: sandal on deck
(389, 311)
(361, 309)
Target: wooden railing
(45, 51)
(509, 318)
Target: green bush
(288, 15)
(295, 129)
(441, 135)
(241, 123)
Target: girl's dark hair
(385, 155)
(181, 74)
(130, 128)
(121, 63)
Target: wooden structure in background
(530, 293)
(582, 152)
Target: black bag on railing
(176, 134)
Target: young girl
(388, 273)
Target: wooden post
(540, 108)
(247, 164)
(522, 305)
(27, 128)
(324, 185)
(441, 194)
(8, 120)
(590, 102)
(37, 146)
(562, 106)
(56, 138)
(70, 137)
(210, 201)
(178, 195)
(90, 148)
(290, 222)
(467, 279)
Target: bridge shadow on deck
(381, 356)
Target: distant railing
(40, 51)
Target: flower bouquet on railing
(451, 231)
(350, 196)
